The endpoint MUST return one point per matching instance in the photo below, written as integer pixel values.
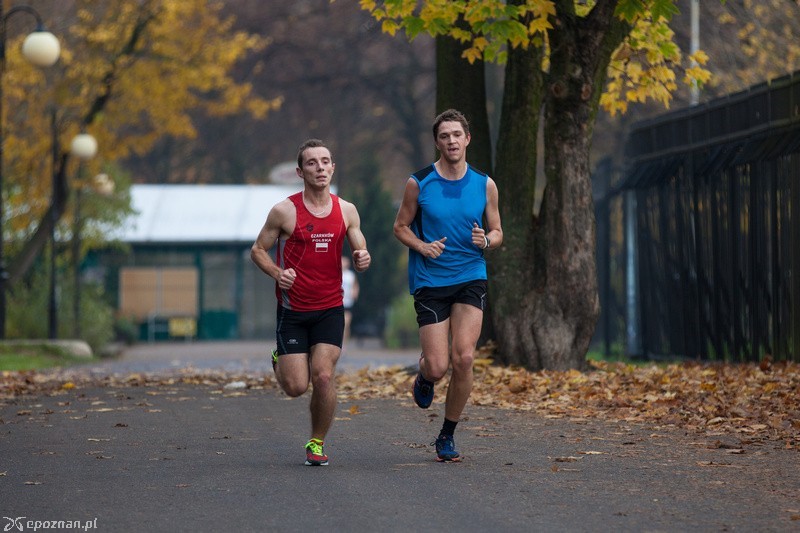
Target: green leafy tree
(564, 59)
(130, 72)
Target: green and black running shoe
(315, 456)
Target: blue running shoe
(423, 391)
(446, 449)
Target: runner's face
(317, 167)
(452, 141)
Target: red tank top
(314, 250)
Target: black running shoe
(423, 391)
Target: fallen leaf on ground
(736, 400)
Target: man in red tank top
(309, 229)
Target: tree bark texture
(511, 276)
(543, 283)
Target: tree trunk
(543, 284)
(35, 244)
(511, 276)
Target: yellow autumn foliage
(648, 58)
(130, 72)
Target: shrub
(401, 324)
(27, 311)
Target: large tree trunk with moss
(543, 283)
(511, 277)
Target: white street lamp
(103, 185)
(83, 146)
(42, 49)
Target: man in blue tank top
(448, 218)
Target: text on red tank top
(314, 251)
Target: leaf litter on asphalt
(752, 402)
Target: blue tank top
(448, 208)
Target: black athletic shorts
(433, 303)
(298, 331)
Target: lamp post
(52, 309)
(84, 147)
(42, 49)
(695, 46)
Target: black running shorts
(433, 304)
(298, 331)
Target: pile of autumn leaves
(753, 402)
(747, 400)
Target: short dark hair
(451, 115)
(310, 143)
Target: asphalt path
(240, 356)
(200, 457)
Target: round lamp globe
(84, 146)
(41, 48)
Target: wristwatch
(487, 242)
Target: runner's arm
(494, 228)
(404, 219)
(358, 243)
(278, 219)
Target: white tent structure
(188, 273)
(201, 213)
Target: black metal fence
(710, 248)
